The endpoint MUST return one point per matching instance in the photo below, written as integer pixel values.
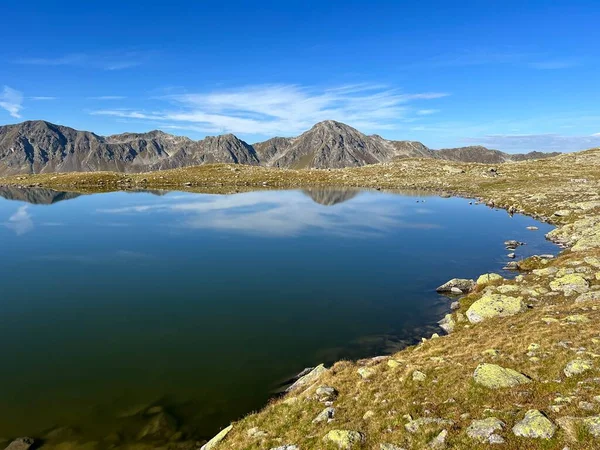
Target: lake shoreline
(561, 191)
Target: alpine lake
(116, 307)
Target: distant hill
(43, 147)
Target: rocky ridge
(42, 147)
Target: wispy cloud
(12, 101)
(42, 98)
(106, 61)
(427, 112)
(531, 142)
(282, 108)
(108, 97)
(555, 64)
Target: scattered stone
(495, 305)
(462, 284)
(427, 422)
(454, 305)
(345, 439)
(447, 323)
(577, 318)
(368, 415)
(393, 363)
(255, 433)
(326, 394)
(546, 272)
(366, 372)
(511, 265)
(389, 447)
(488, 278)
(212, 444)
(439, 441)
(535, 425)
(494, 377)
(512, 255)
(456, 291)
(562, 213)
(286, 447)
(570, 284)
(22, 443)
(577, 367)
(493, 352)
(483, 430)
(549, 320)
(593, 296)
(325, 416)
(417, 375)
(512, 244)
(592, 424)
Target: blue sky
(511, 75)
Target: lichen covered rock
(577, 367)
(495, 377)
(570, 284)
(212, 444)
(462, 284)
(495, 305)
(345, 439)
(483, 430)
(535, 425)
(488, 278)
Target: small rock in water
(456, 291)
(511, 255)
(462, 284)
(532, 228)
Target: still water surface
(205, 304)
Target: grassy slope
(538, 188)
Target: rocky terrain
(515, 363)
(41, 147)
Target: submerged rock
(345, 439)
(462, 284)
(159, 426)
(495, 305)
(535, 425)
(22, 443)
(495, 377)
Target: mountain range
(42, 147)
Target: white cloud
(288, 213)
(20, 222)
(427, 112)
(42, 98)
(541, 142)
(106, 61)
(12, 101)
(108, 97)
(282, 109)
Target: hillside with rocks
(42, 147)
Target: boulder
(535, 425)
(439, 442)
(366, 372)
(417, 375)
(570, 284)
(447, 323)
(483, 430)
(459, 283)
(326, 394)
(212, 444)
(159, 426)
(495, 305)
(345, 439)
(488, 278)
(309, 378)
(577, 367)
(495, 377)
